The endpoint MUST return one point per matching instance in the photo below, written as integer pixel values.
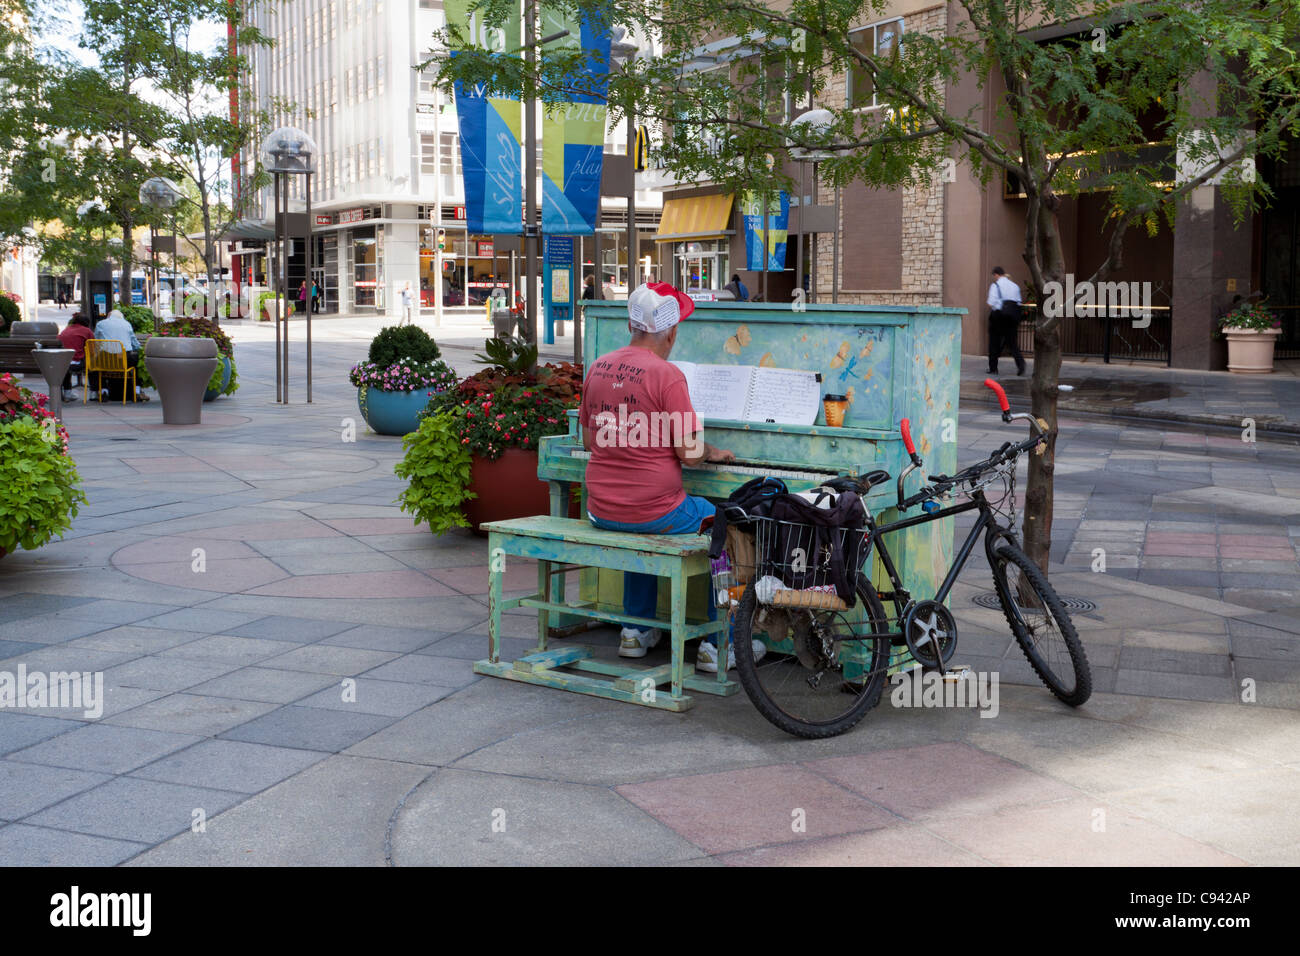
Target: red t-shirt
(75, 337)
(638, 410)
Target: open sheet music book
(752, 393)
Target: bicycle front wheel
(823, 670)
(1041, 625)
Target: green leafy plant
(1248, 315)
(403, 343)
(262, 303)
(140, 317)
(42, 491)
(9, 313)
(437, 468)
(511, 355)
(513, 416)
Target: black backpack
(752, 498)
(827, 540)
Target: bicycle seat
(872, 478)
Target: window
(379, 70)
(879, 40)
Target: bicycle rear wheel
(1041, 625)
(823, 671)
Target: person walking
(406, 302)
(315, 298)
(1004, 319)
(302, 297)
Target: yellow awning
(699, 217)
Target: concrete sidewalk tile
(1278, 646)
(23, 845)
(386, 698)
(1147, 683)
(360, 585)
(738, 809)
(1275, 671)
(449, 820)
(103, 748)
(48, 629)
(227, 649)
(143, 811)
(374, 638)
(191, 714)
(1066, 834)
(22, 730)
(474, 647)
(17, 650)
(900, 845)
(230, 765)
(265, 684)
(27, 787)
(204, 620)
(164, 673)
(331, 563)
(32, 604)
(1173, 640)
(329, 659)
(298, 630)
(129, 639)
(111, 611)
(426, 669)
(309, 728)
(921, 783)
(65, 657)
(1175, 661)
(335, 813)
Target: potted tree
(42, 492)
(1252, 331)
(403, 372)
(497, 417)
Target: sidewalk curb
(1279, 428)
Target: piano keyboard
(742, 467)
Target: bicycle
(826, 668)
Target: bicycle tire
(768, 704)
(1038, 640)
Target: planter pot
(392, 413)
(180, 369)
(507, 488)
(212, 393)
(1250, 351)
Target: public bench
(16, 353)
(562, 544)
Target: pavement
(286, 661)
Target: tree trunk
(1039, 492)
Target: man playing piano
(640, 427)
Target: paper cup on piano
(834, 407)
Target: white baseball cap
(657, 306)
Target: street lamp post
(162, 194)
(816, 123)
(622, 51)
(289, 152)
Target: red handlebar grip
(1000, 392)
(906, 428)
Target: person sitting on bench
(74, 336)
(640, 427)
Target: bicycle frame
(985, 524)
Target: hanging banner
(777, 216)
(573, 132)
(490, 129)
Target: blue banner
(777, 218)
(573, 132)
(490, 128)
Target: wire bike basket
(808, 565)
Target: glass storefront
(364, 258)
(702, 266)
(471, 268)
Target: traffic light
(442, 240)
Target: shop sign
(352, 215)
(485, 250)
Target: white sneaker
(634, 643)
(706, 658)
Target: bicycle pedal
(957, 672)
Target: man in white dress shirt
(1004, 317)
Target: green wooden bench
(561, 544)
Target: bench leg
(495, 575)
(678, 587)
(543, 615)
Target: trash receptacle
(502, 320)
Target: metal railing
(1108, 333)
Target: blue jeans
(641, 591)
